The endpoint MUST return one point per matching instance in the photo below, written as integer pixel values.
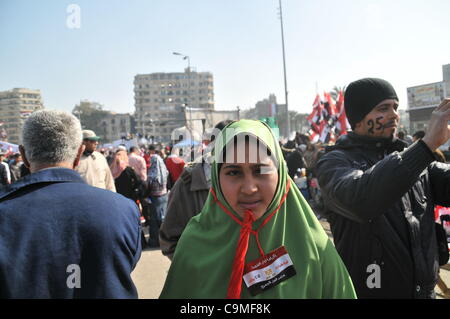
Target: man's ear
(357, 128)
(79, 153)
(24, 157)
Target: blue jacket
(61, 238)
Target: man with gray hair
(60, 237)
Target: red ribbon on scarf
(235, 285)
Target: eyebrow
(238, 166)
(388, 104)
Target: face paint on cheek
(379, 125)
(389, 124)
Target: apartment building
(15, 107)
(423, 99)
(115, 126)
(164, 101)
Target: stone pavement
(151, 271)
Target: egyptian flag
(342, 125)
(315, 118)
(325, 132)
(330, 108)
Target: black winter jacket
(380, 199)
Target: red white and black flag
(328, 120)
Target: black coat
(3, 175)
(128, 184)
(295, 161)
(380, 200)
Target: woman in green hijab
(256, 236)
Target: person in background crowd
(93, 166)
(187, 197)
(175, 166)
(129, 184)
(288, 148)
(24, 170)
(14, 167)
(125, 178)
(157, 188)
(146, 155)
(402, 136)
(310, 155)
(109, 155)
(380, 195)
(62, 238)
(5, 175)
(418, 135)
(137, 162)
(295, 160)
(253, 222)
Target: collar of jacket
(353, 140)
(48, 175)
(86, 155)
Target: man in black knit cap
(380, 195)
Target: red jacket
(175, 166)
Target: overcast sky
(328, 43)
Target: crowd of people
(242, 220)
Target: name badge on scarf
(268, 271)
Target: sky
(328, 43)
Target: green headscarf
(202, 264)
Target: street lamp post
(186, 57)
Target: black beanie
(363, 95)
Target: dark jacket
(295, 161)
(15, 172)
(380, 199)
(3, 175)
(128, 184)
(186, 199)
(52, 222)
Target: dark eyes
(232, 173)
(386, 108)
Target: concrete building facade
(423, 99)
(115, 126)
(164, 101)
(205, 119)
(15, 107)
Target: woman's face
(249, 184)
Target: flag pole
(288, 126)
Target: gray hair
(51, 137)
